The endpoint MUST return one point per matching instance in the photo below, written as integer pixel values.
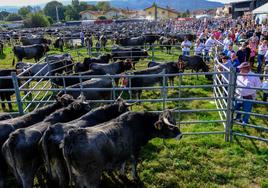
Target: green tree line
(52, 12)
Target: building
(110, 14)
(155, 12)
(239, 7)
(91, 15)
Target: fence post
(230, 100)
(152, 52)
(17, 92)
(164, 90)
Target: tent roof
(261, 10)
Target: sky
(35, 2)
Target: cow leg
(134, 168)
(8, 98)
(3, 104)
(123, 169)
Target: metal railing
(221, 95)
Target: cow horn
(119, 97)
(82, 97)
(168, 123)
(131, 104)
(172, 110)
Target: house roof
(168, 9)
(261, 10)
(239, 1)
(92, 12)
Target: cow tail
(67, 145)
(10, 154)
(45, 150)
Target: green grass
(195, 161)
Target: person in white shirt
(226, 42)
(261, 52)
(209, 44)
(244, 82)
(198, 47)
(186, 45)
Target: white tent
(261, 10)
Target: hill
(180, 5)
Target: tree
(23, 11)
(3, 15)
(104, 6)
(36, 20)
(102, 18)
(70, 13)
(50, 10)
(13, 17)
(188, 12)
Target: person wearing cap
(248, 81)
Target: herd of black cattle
(118, 61)
(70, 143)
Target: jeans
(185, 53)
(246, 107)
(260, 60)
(265, 96)
(82, 41)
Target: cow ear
(158, 125)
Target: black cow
(135, 54)
(54, 64)
(6, 84)
(31, 41)
(81, 67)
(59, 43)
(166, 43)
(195, 63)
(145, 81)
(10, 125)
(135, 41)
(91, 94)
(21, 150)
(171, 68)
(150, 38)
(54, 135)
(113, 68)
(61, 81)
(117, 141)
(35, 51)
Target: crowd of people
(243, 45)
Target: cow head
(64, 99)
(166, 125)
(127, 65)
(46, 48)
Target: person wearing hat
(244, 82)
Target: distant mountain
(180, 5)
(11, 9)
